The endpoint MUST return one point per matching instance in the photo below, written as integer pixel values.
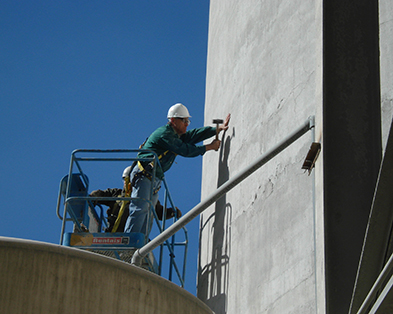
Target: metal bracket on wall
(312, 156)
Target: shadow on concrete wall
(213, 277)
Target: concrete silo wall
(283, 241)
(257, 252)
(386, 60)
(40, 278)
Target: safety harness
(147, 171)
(144, 172)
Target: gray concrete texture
(375, 248)
(386, 60)
(41, 278)
(266, 246)
(352, 141)
(257, 252)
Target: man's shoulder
(165, 130)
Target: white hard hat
(178, 111)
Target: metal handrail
(75, 161)
(223, 189)
(375, 289)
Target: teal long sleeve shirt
(166, 139)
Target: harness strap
(128, 190)
(151, 164)
(128, 187)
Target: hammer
(217, 122)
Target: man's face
(180, 125)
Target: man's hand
(215, 145)
(224, 127)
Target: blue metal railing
(70, 200)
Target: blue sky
(93, 74)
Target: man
(114, 208)
(116, 217)
(167, 142)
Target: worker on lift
(118, 211)
(167, 142)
